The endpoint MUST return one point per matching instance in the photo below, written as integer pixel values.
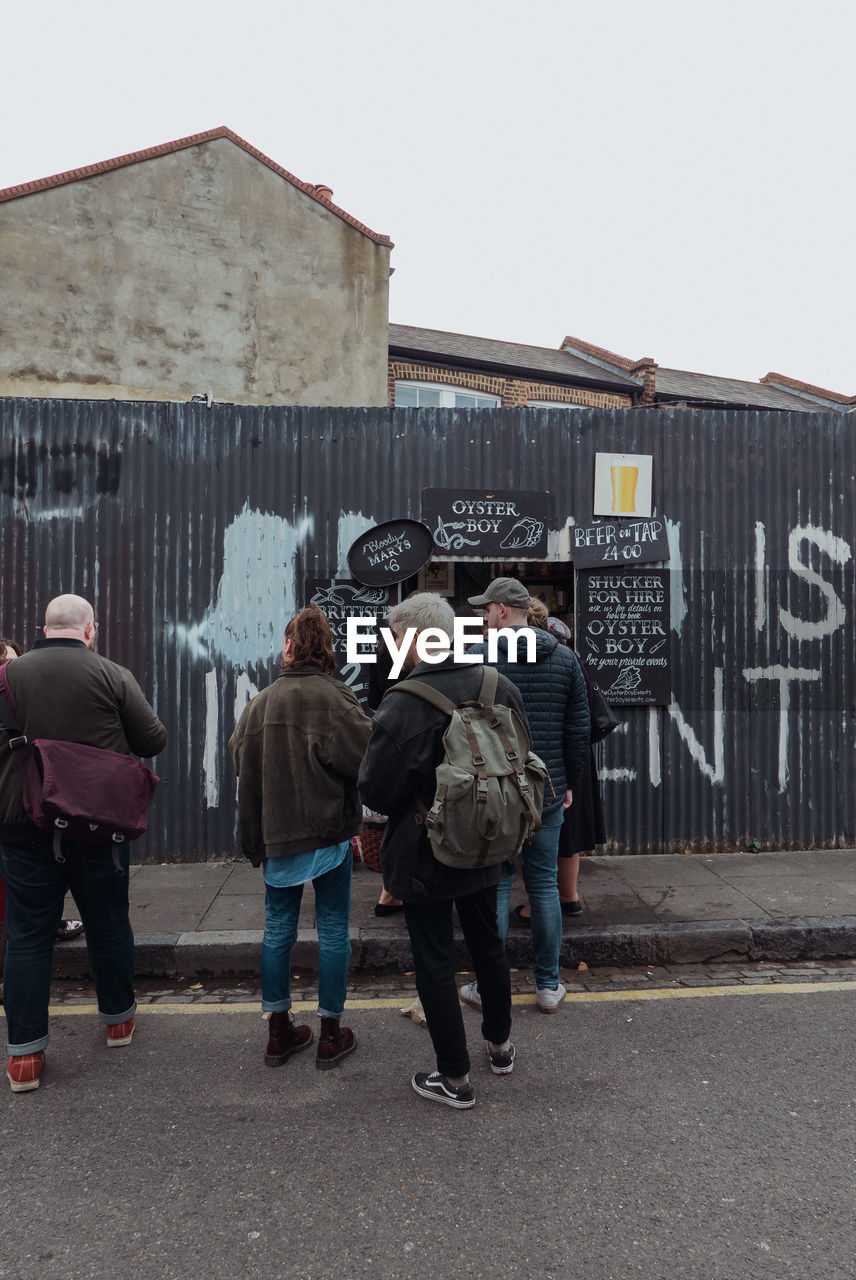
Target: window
(550, 404)
(433, 395)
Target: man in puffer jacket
(554, 696)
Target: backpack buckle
(512, 755)
(20, 741)
(481, 795)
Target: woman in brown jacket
(297, 750)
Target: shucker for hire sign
(623, 633)
(507, 524)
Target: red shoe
(334, 1044)
(23, 1071)
(120, 1034)
(285, 1039)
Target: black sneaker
(438, 1088)
(501, 1064)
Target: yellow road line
(573, 997)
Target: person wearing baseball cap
(502, 591)
(554, 697)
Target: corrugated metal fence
(193, 531)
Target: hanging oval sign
(390, 552)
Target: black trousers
(431, 928)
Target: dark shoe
(69, 929)
(388, 908)
(285, 1039)
(23, 1071)
(572, 908)
(334, 1044)
(518, 918)
(437, 1088)
(120, 1033)
(501, 1064)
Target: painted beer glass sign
(623, 634)
(390, 552)
(488, 522)
(622, 484)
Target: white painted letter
(716, 772)
(784, 675)
(839, 551)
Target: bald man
(63, 690)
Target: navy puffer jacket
(554, 695)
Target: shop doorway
(552, 582)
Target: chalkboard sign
(623, 634)
(619, 543)
(506, 524)
(340, 599)
(390, 552)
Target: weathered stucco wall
(198, 269)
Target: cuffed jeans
(36, 885)
(540, 868)
(432, 941)
(332, 917)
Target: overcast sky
(667, 178)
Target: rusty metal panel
(194, 532)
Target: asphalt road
(681, 1138)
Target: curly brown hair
(6, 646)
(313, 641)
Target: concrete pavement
(206, 919)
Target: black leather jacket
(405, 748)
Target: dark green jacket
(65, 691)
(297, 750)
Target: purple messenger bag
(88, 794)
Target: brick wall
(513, 392)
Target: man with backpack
(399, 777)
(554, 695)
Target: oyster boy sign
(506, 524)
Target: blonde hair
(538, 613)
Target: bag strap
(485, 698)
(490, 680)
(8, 709)
(427, 694)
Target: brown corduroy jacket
(297, 750)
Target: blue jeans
(36, 885)
(332, 915)
(540, 868)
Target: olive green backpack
(490, 784)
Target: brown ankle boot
(285, 1039)
(334, 1043)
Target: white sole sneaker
(549, 1001)
(469, 994)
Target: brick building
(434, 368)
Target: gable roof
(808, 390)
(181, 144)
(464, 349)
(775, 391)
(681, 384)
